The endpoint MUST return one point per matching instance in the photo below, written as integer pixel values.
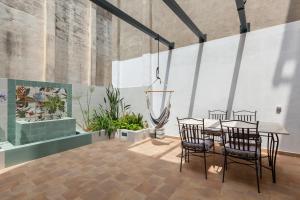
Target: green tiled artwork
(38, 120)
(34, 101)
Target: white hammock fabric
(163, 117)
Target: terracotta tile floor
(148, 170)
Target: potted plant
(105, 118)
(132, 128)
(102, 125)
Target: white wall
(254, 71)
(131, 67)
(82, 93)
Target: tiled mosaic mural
(35, 102)
(40, 103)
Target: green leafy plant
(103, 121)
(100, 120)
(114, 114)
(131, 122)
(115, 105)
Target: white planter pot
(99, 136)
(132, 136)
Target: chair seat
(199, 146)
(242, 153)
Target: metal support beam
(240, 5)
(185, 19)
(130, 20)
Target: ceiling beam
(130, 20)
(240, 5)
(185, 19)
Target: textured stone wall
(127, 41)
(72, 41)
(21, 39)
(103, 47)
(66, 41)
(216, 18)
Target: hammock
(163, 118)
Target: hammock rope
(163, 118)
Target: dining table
(269, 130)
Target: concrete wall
(214, 17)
(66, 41)
(128, 42)
(254, 71)
(21, 39)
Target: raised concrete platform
(29, 132)
(11, 155)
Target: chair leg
(224, 166)
(181, 159)
(260, 165)
(205, 165)
(188, 155)
(214, 143)
(185, 155)
(257, 178)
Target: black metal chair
(244, 115)
(242, 142)
(218, 115)
(194, 141)
(272, 141)
(250, 116)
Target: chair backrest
(240, 135)
(244, 115)
(191, 130)
(217, 114)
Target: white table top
(263, 127)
